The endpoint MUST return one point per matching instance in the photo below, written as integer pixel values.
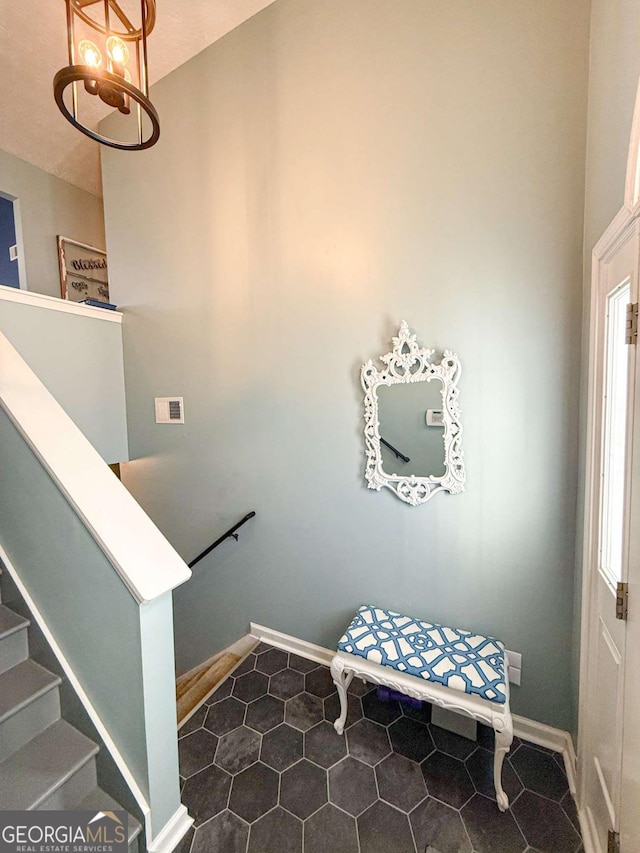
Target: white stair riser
(32, 720)
(28, 722)
(67, 795)
(14, 649)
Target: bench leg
(342, 680)
(503, 728)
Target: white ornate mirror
(413, 434)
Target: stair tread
(101, 801)
(23, 683)
(11, 622)
(32, 773)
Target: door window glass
(614, 434)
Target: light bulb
(90, 54)
(117, 50)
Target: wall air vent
(169, 410)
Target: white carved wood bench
(449, 667)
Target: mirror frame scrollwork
(409, 362)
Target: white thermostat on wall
(169, 410)
(434, 417)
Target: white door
(630, 781)
(611, 554)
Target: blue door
(8, 268)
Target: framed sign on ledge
(83, 271)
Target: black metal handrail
(230, 534)
(394, 450)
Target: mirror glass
(404, 411)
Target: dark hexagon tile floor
(266, 773)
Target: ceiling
(33, 48)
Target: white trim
(621, 229)
(602, 248)
(53, 303)
(588, 831)
(69, 673)
(291, 644)
(551, 738)
(632, 178)
(571, 766)
(539, 733)
(605, 792)
(172, 832)
(147, 564)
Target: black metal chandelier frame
(110, 84)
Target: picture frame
(83, 271)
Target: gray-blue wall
(78, 357)
(325, 171)
(46, 206)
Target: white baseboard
(588, 831)
(539, 733)
(555, 739)
(570, 766)
(172, 832)
(291, 644)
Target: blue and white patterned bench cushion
(458, 659)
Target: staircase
(45, 763)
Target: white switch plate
(515, 675)
(169, 410)
(514, 659)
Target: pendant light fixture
(108, 60)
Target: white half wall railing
(98, 574)
(76, 352)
